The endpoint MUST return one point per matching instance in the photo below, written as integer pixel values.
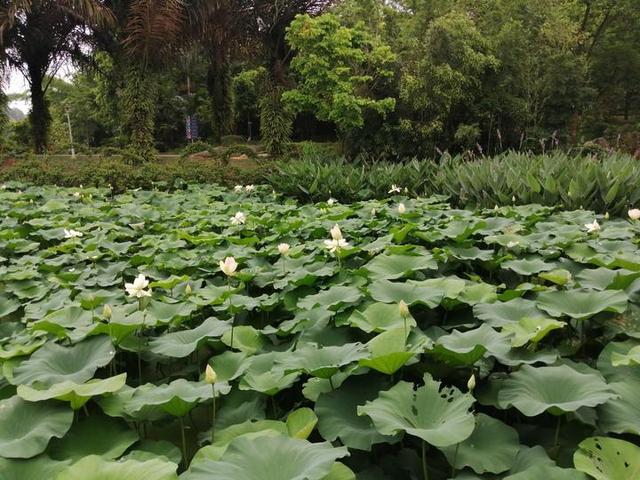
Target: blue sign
(191, 127)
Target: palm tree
(38, 36)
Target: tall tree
(38, 36)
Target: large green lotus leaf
(8, 305)
(183, 343)
(531, 329)
(395, 266)
(54, 363)
(478, 292)
(378, 317)
(337, 412)
(245, 338)
(249, 429)
(608, 458)
(154, 449)
(582, 303)
(438, 415)
(176, 398)
(37, 468)
(492, 447)
(270, 458)
(499, 314)
(26, 428)
(301, 422)
(528, 266)
(428, 292)
(229, 365)
(465, 348)
(339, 471)
(534, 464)
(76, 394)
(388, 351)
(606, 278)
(631, 357)
(159, 312)
(322, 362)
(622, 414)
(94, 435)
(332, 298)
(94, 467)
(265, 376)
(65, 321)
(556, 389)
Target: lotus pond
(435, 343)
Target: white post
(73, 152)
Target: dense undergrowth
(412, 341)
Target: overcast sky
(18, 84)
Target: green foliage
(500, 366)
(336, 68)
(238, 150)
(121, 175)
(605, 184)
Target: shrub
(608, 183)
(195, 147)
(102, 172)
(236, 150)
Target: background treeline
(385, 79)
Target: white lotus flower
(401, 208)
(336, 234)
(283, 248)
(238, 218)
(513, 244)
(395, 189)
(76, 194)
(238, 188)
(249, 188)
(331, 201)
(229, 266)
(336, 244)
(72, 233)
(138, 287)
(210, 375)
(592, 227)
(634, 214)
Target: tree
(337, 67)
(38, 36)
(442, 78)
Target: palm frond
(154, 27)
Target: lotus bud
(106, 311)
(336, 233)
(401, 208)
(283, 248)
(210, 375)
(606, 215)
(634, 214)
(187, 290)
(513, 198)
(471, 383)
(404, 309)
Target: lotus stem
(453, 464)
(213, 413)
(144, 317)
(184, 442)
(425, 473)
(233, 317)
(556, 439)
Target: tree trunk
(139, 109)
(220, 92)
(39, 117)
